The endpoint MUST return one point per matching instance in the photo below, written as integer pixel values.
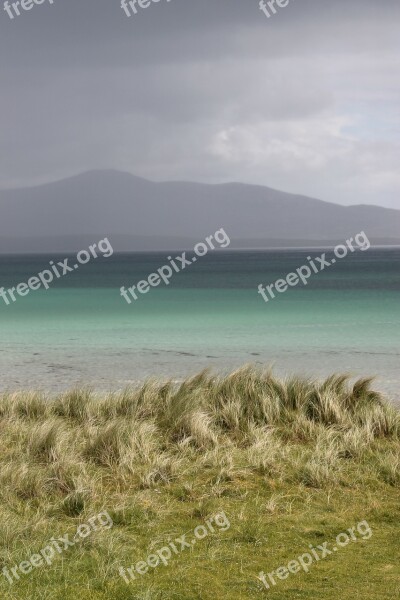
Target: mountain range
(138, 214)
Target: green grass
(291, 463)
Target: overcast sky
(206, 90)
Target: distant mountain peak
(143, 214)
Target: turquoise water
(81, 331)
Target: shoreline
(102, 389)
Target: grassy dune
(291, 463)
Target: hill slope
(141, 215)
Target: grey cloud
(208, 90)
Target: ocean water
(82, 332)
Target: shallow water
(81, 331)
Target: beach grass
(291, 463)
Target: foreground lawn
(261, 469)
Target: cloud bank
(211, 91)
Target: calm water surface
(82, 332)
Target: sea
(81, 331)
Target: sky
(306, 101)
